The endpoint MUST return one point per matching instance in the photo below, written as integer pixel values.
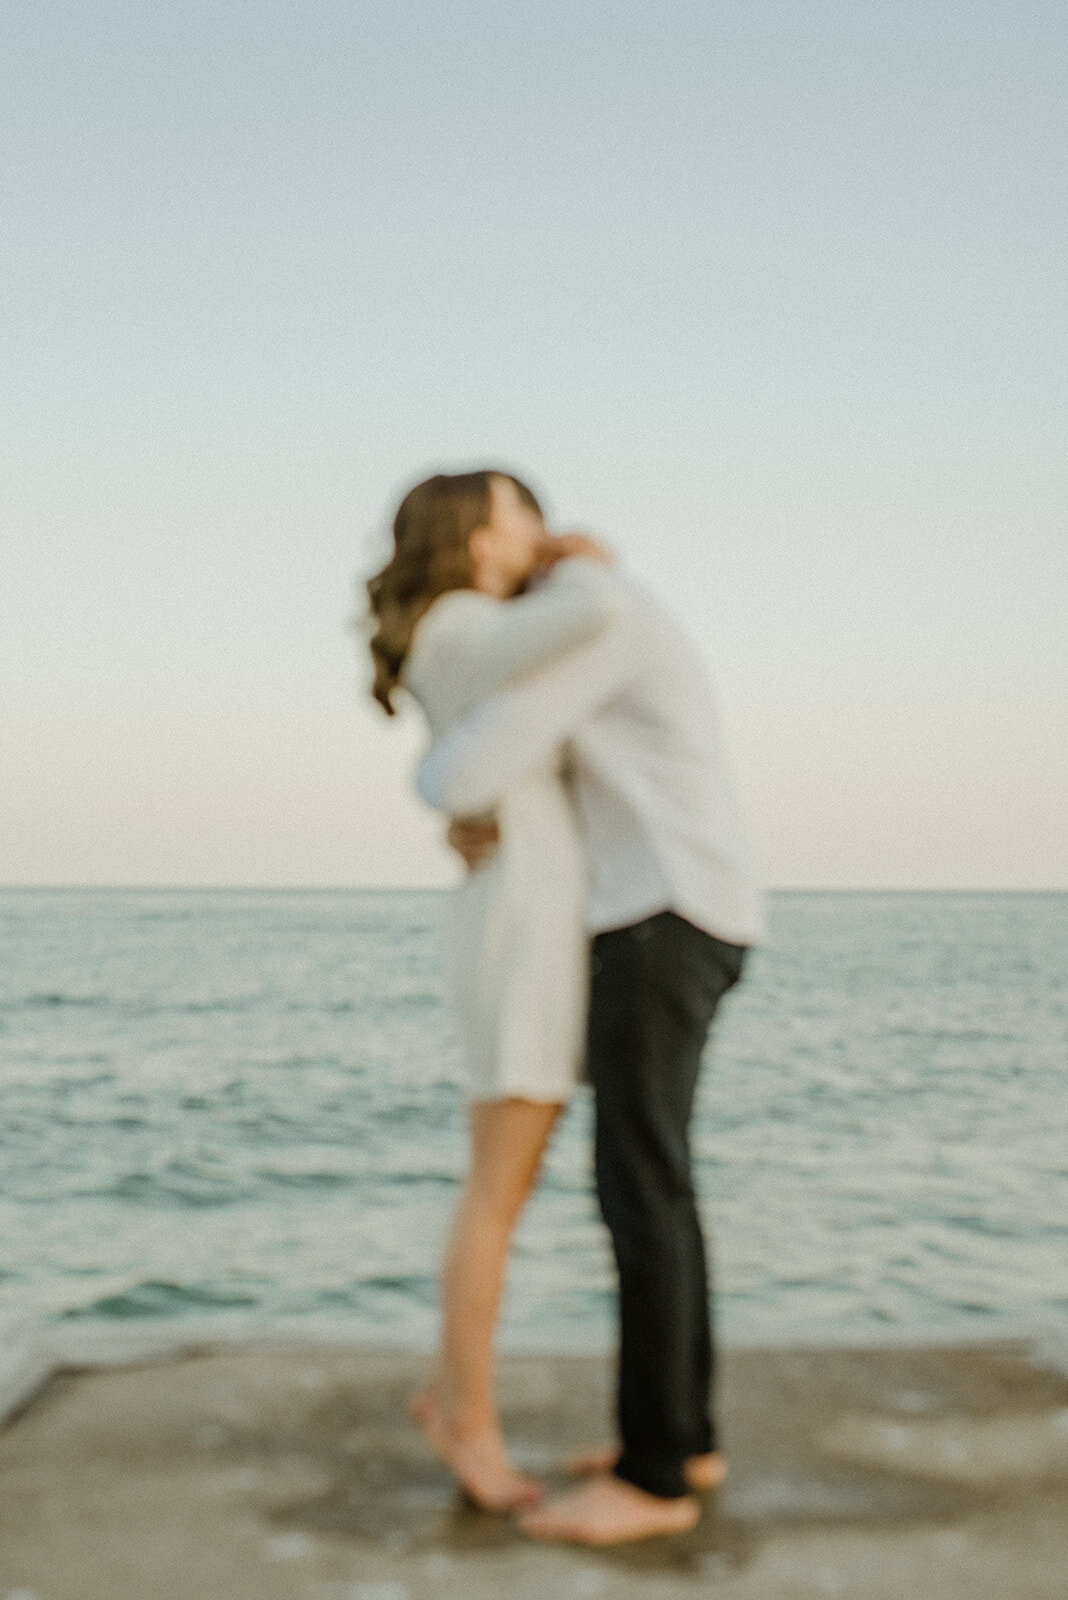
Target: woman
(454, 622)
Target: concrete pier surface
(291, 1472)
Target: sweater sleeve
(477, 645)
(469, 767)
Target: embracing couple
(608, 904)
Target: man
(673, 905)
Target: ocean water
(216, 1102)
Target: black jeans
(654, 991)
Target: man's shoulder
(656, 630)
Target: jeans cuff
(657, 1475)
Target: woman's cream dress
(516, 953)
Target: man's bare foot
(702, 1473)
(605, 1510)
(479, 1463)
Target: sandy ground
(293, 1474)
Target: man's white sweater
(636, 710)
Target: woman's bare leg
(458, 1410)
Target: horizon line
(431, 888)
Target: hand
(555, 547)
(474, 839)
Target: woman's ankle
(466, 1419)
(461, 1419)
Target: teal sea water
(217, 1102)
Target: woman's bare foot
(605, 1510)
(703, 1473)
(479, 1463)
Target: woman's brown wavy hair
(431, 555)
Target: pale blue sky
(774, 296)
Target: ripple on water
(159, 1299)
(254, 1101)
